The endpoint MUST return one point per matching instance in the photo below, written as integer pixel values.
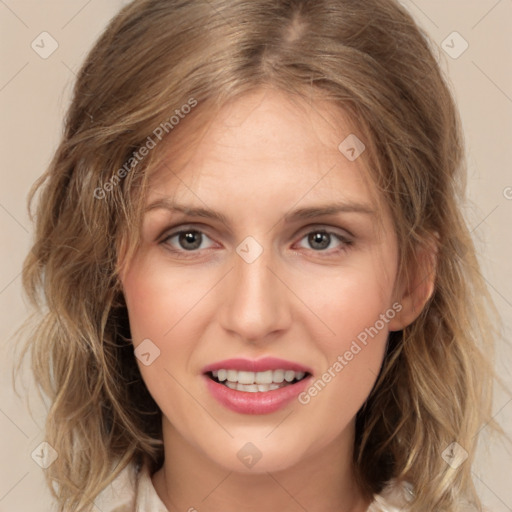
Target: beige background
(34, 93)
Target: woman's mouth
(256, 386)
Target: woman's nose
(255, 298)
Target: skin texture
(264, 156)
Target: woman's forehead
(267, 138)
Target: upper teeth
(266, 377)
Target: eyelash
(345, 242)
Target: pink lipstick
(258, 386)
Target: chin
(256, 457)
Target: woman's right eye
(186, 240)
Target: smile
(255, 387)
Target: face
(264, 257)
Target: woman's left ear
(417, 283)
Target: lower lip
(261, 402)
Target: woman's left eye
(320, 240)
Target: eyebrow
(290, 217)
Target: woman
(260, 289)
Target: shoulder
(393, 498)
(396, 496)
(119, 496)
(131, 491)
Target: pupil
(319, 240)
(190, 237)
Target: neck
(189, 480)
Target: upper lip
(256, 365)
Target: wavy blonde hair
(370, 58)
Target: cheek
(161, 305)
(349, 301)
(158, 305)
(158, 299)
(356, 307)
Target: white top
(133, 491)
